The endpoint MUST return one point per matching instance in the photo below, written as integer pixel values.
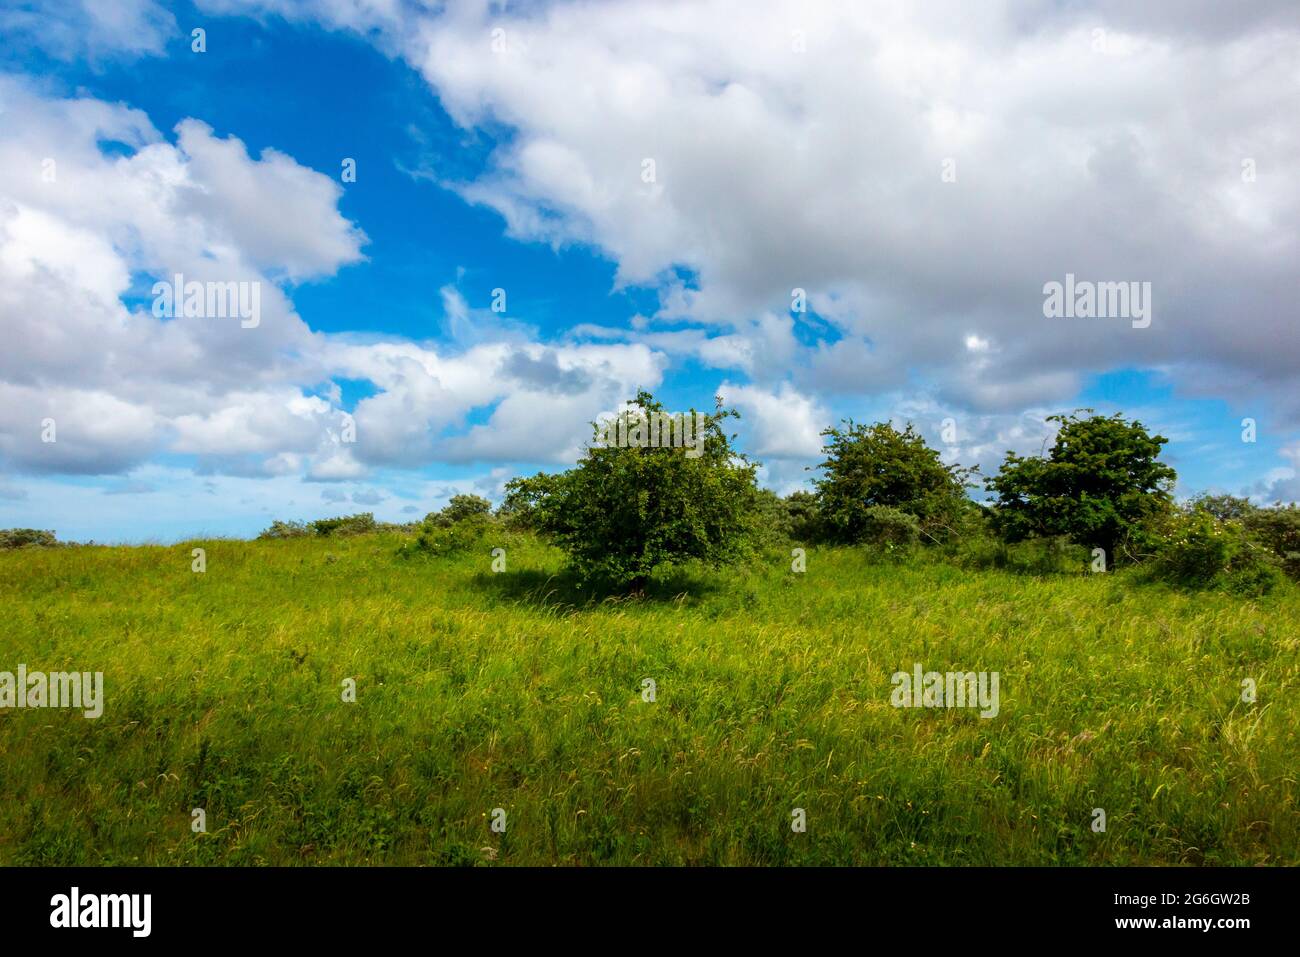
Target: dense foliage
(623, 513)
(25, 537)
(1100, 485)
(876, 465)
(459, 527)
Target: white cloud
(95, 29)
(774, 169)
(781, 424)
(123, 385)
(822, 170)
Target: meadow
(478, 690)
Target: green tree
(1100, 485)
(1225, 508)
(524, 498)
(22, 537)
(460, 508)
(624, 512)
(877, 465)
(803, 516)
(357, 524)
(1278, 528)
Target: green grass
(478, 690)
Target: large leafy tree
(1099, 484)
(877, 465)
(624, 512)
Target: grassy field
(478, 691)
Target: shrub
(1278, 530)
(1196, 550)
(1101, 484)
(1033, 556)
(439, 538)
(869, 466)
(889, 529)
(460, 508)
(624, 512)
(280, 529)
(773, 525)
(345, 525)
(520, 509)
(26, 537)
(459, 527)
(803, 517)
(1224, 507)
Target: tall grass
(478, 691)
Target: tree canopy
(1099, 483)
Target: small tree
(521, 507)
(1099, 485)
(623, 512)
(24, 537)
(877, 465)
(803, 516)
(290, 529)
(461, 508)
(358, 524)
(1225, 508)
(1278, 529)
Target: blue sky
(515, 160)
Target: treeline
(1099, 499)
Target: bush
(803, 518)
(439, 538)
(773, 525)
(520, 509)
(1196, 550)
(625, 511)
(460, 508)
(870, 466)
(1034, 556)
(280, 529)
(1101, 484)
(459, 527)
(889, 529)
(26, 537)
(949, 519)
(1224, 507)
(1278, 530)
(345, 525)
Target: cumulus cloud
(95, 29)
(929, 168)
(781, 424)
(916, 172)
(86, 352)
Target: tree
(877, 465)
(1225, 508)
(803, 517)
(1278, 528)
(460, 508)
(524, 498)
(625, 511)
(460, 526)
(1099, 485)
(23, 537)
